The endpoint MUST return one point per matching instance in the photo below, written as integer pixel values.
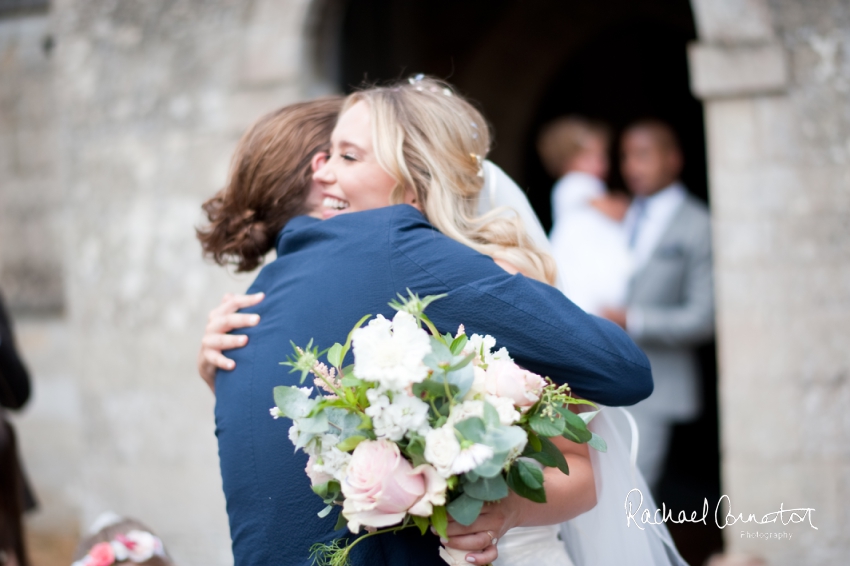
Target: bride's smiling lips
(333, 205)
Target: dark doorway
(628, 72)
(527, 62)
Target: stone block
(736, 71)
(732, 21)
(732, 134)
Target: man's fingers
(227, 322)
(218, 360)
(224, 341)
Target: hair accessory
(133, 546)
(417, 79)
(478, 161)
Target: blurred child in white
(588, 240)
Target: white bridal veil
(604, 535)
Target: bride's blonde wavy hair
(434, 142)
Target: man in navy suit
(327, 275)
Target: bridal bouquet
(422, 426)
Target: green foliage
(303, 360)
(575, 428)
(335, 355)
(520, 475)
(465, 509)
(597, 442)
(546, 422)
(458, 344)
(471, 429)
(487, 489)
(548, 454)
(350, 443)
(440, 521)
(422, 522)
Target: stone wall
(108, 148)
(778, 126)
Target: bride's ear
(319, 159)
(411, 199)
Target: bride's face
(351, 180)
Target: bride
(524, 545)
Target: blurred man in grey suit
(670, 302)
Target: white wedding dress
(603, 536)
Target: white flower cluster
(328, 458)
(483, 346)
(396, 417)
(390, 353)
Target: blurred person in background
(587, 237)
(15, 498)
(670, 301)
(113, 539)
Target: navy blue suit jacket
(326, 276)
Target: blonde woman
(418, 145)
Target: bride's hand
(222, 320)
(481, 537)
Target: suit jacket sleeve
(691, 321)
(549, 335)
(14, 379)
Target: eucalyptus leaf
(317, 424)
(491, 416)
(326, 511)
(341, 522)
(465, 509)
(344, 423)
(462, 379)
(471, 429)
(440, 357)
(293, 402)
(487, 489)
(462, 362)
(505, 438)
(597, 442)
(492, 467)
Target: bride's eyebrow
(344, 144)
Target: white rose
(391, 353)
(441, 449)
(508, 415)
(466, 410)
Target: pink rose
(101, 554)
(381, 486)
(506, 379)
(316, 478)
